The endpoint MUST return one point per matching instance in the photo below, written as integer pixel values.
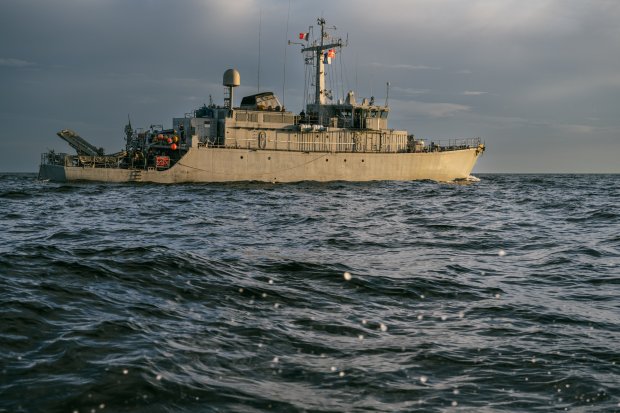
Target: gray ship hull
(204, 164)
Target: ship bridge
(350, 114)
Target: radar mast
(317, 49)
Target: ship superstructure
(260, 140)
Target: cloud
(572, 86)
(432, 109)
(403, 66)
(508, 70)
(576, 129)
(11, 62)
(409, 91)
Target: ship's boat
(260, 140)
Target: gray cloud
(12, 62)
(402, 66)
(474, 93)
(537, 80)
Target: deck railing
(53, 158)
(442, 145)
(303, 142)
(344, 141)
(63, 159)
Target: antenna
(288, 16)
(260, 23)
(387, 93)
(128, 129)
(356, 64)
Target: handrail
(63, 159)
(442, 145)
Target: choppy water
(503, 295)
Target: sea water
(497, 295)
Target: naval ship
(259, 140)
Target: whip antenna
(260, 23)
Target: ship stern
(52, 167)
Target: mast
(317, 49)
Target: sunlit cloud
(576, 129)
(409, 91)
(430, 109)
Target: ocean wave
(19, 195)
(385, 296)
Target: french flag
(303, 36)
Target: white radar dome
(232, 78)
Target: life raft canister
(262, 140)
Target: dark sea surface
(498, 296)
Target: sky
(537, 81)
